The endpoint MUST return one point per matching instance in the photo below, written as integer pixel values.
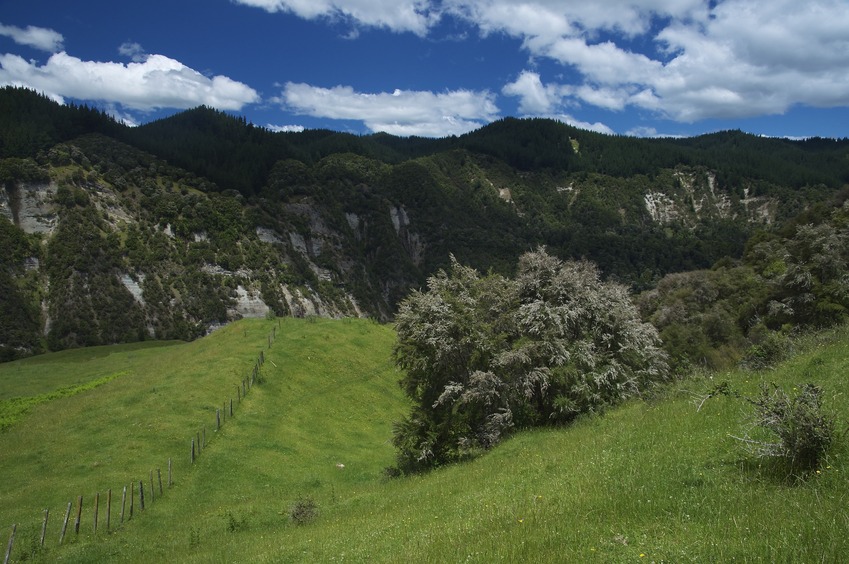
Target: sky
(437, 68)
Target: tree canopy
(485, 354)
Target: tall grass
(654, 480)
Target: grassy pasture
(652, 480)
(152, 400)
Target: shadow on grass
(774, 470)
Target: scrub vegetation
(298, 474)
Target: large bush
(742, 312)
(484, 354)
(704, 316)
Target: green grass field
(649, 481)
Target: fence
(198, 444)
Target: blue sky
(445, 67)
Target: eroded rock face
(176, 298)
(695, 197)
(411, 241)
(248, 304)
(134, 287)
(661, 207)
(31, 206)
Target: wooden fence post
(65, 523)
(132, 496)
(231, 407)
(217, 419)
(11, 543)
(96, 510)
(79, 515)
(159, 477)
(123, 503)
(141, 495)
(44, 525)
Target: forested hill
(110, 233)
(239, 155)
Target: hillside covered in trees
(113, 234)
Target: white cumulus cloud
(38, 37)
(756, 58)
(402, 112)
(520, 19)
(697, 58)
(597, 126)
(133, 50)
(548, 100)
(156, 82)
(534, 97)
(416, 16)
(681, 59)
(648, 131)
(285, 128)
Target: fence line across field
(196, 447)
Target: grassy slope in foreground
(650, 481)
(117, 432)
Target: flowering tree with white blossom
(484, 354)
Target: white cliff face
(661, 207)
(353, 221)
(399, 218)
(299, 243)
(763, 210)
(695, 196)
(316, 242)
(134, 287)
(411, 240)
(268, 235)
(33, 208)
(248, 304)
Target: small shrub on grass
(791, 428)
(235, 525)
(303, 511)
(804, 432)
(771, 348)
(392, 472)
